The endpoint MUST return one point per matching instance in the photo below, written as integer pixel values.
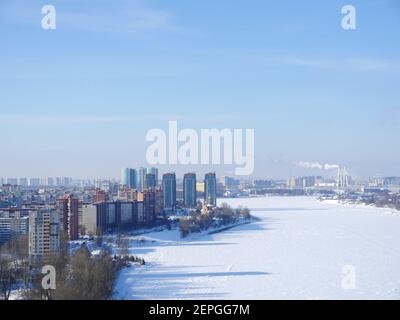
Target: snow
(297, 250)
(15, 295)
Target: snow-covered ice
(297, 250)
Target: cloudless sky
(78, 101)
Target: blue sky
(78, 100)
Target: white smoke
(309, 165)
(316, 165)
(328, 166)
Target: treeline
(127, 260)
(387, 200)
(380, 200)
(216, 217)
(81, 276)
(14, 266)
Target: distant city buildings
(99, 196)
(139, 179)
(23, 182)
(229, 182)
(34, 182)
(391, 181)
(37, 182)
(127, 194)
(50, 182)
(342, 181)
(129, 177)
(263, 183)
(305, 182)
(12, 181)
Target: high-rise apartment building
(159, 197)
(210, 189)
(140, 179)
(189, 190)
(169, 190)
(69, 210)
(149, 206)
(44, 236)
(150, 181)
(153, 171)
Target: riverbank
(350, 203)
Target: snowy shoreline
(173, 235)
(345, 203)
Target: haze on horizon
(78, 101)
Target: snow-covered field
(300, 249)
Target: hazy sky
(78, 101)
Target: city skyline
(64, 180)
(78, 101)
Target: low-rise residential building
(12, 224)
(110, 216)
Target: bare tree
(124, 247)
(7, 276)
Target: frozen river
(300, 249)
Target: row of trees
(217, 217)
